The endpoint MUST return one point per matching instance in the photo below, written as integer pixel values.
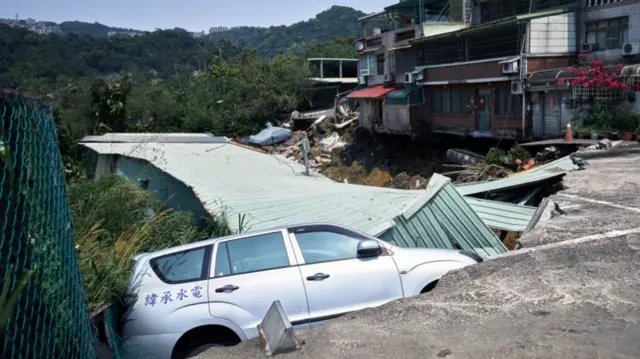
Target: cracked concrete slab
(574, 299)
(603, 197)
(579, 301)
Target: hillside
(92, 29)
(27, 55)
(337, 22)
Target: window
(450, 101)
(364, 65)
(508, 104)
(261, 252)
(380, 64)
(323, 246)
(222, 267)
(182, 267)
(608, 34)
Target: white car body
(220, 289)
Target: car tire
(192, 352)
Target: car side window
(183, 266)
(325, 246)
(256, 253)
(222, 267)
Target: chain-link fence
(38, 259)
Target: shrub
(114, 220)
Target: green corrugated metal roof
(402, 93)
(442, 218)
(503, 216)
(553, 169)
(273, 191)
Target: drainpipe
(522, 75)
(578, 24)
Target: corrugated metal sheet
(502, 216)
(156, 137)
(442, 218)
(505, 183)
(557, 168)
(273, 191)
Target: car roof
(212, 241)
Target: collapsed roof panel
(553, 170)
(442, 218)
(272, 191)
(503, 216)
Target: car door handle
(318, 276)
(227, 288)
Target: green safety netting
(38, 264)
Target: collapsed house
(213, 176)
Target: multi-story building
(608, 31)
(392, 102)
(487, 67)
(470, 60)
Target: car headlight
(472, 255)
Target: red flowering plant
(591, 80)
(596, 78)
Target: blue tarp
(270, 136)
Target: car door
(335, 279)
(249, 274)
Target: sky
(192, 15)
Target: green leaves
(8, 300)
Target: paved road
(577, 295)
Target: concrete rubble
(572, 291)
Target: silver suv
(217, 291)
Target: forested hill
(92, 29)
(337, 22)
(27, 55)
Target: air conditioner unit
(588, 47)
(409, 78)
(376, 32)
(510, 68)
(631, 48)
(362, 80)
(389, 78)
(516, 88)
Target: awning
(402, 93)
(372, 92)
(402, 47)
(366, 51)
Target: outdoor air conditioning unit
(409, 78)
(510, 68)
(588, 47)
(389, 78)
(631, 48)
(516, 88)
(362, 80)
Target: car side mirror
(369, 248)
